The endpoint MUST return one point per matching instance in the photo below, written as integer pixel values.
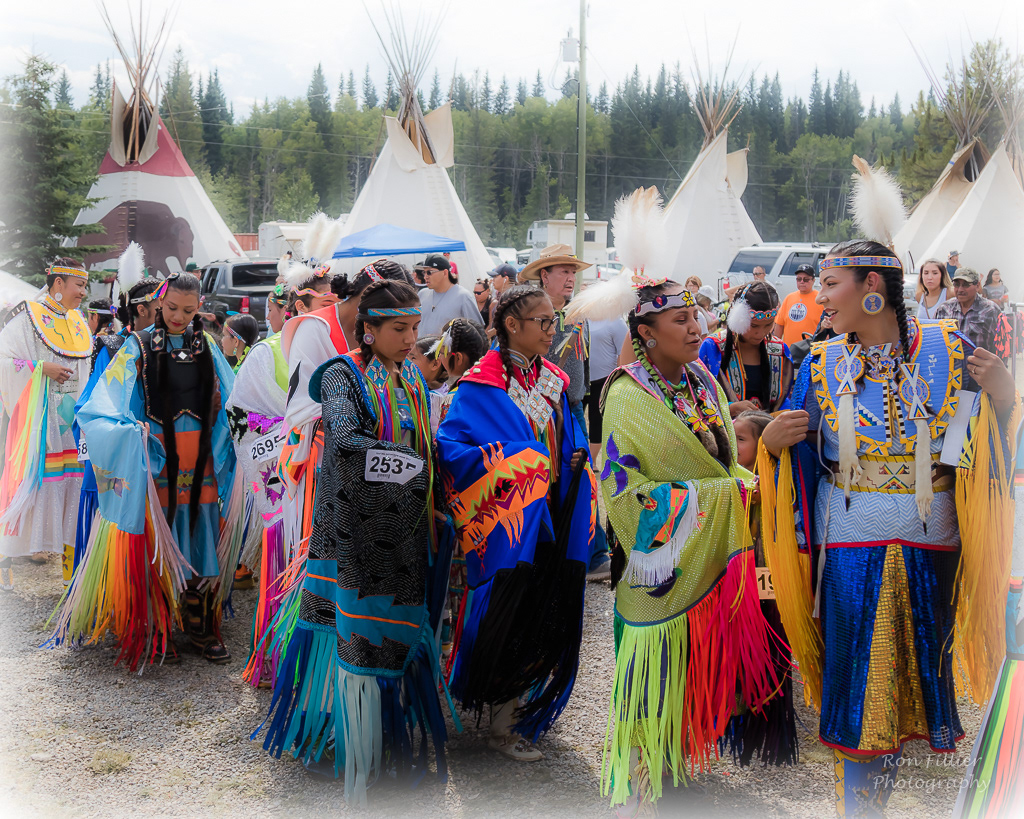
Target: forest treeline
(515, 148)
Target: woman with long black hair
(360, 673)
(159, 444)
(753, 367)
(515, 463)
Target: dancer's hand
(786, 430)
(988, 370)
(736, 407)
(57, 372)
(575, 462)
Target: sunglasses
(479, 292)
(804, 279)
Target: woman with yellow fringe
(905, 508)
(689, 632)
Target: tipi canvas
(987, 226)
(705, 221)
(409, 184)
(146, 190)
(931, 214)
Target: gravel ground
(83, 738)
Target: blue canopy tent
(390, 240)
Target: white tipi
(965, 112)
(409, 184)
(705, 221)
(146, 190)
(987, 226)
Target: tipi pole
(581, 139)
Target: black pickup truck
(240, 286)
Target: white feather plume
(131, 267)
(296, 274)
(639, 228)
(332, 235)
(311, 245)
(876, 203)
(282, 268)
(739, 318)
(605, 300)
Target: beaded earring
(872, 304)
(368, 338)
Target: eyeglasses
(804, 279)
(544, 322)
(479, 292)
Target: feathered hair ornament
(131, 267)
(322, 237)
(738, 320)
(639, 228)
(282, 266)
(876, 203)
(297, 275)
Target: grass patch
(106, 761)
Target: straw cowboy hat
(549, 257)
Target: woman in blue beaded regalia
(901, 510)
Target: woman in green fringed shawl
(686, 604)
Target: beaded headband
(860, 261)
(279, 295)
(662, 302)
(392, 312)
(156, 294)
(60, 270)
(761, 315)
(373, 273)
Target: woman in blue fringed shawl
(361, 667)
(515, 466)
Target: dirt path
(82, 738)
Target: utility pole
(581, 138)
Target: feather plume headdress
(131, 266)
(322, 237)
(639, 228)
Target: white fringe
(655, 568)
(849, 462)
(923, 492)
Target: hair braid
(894, 293)
(511, 303)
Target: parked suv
(240, 286)
(780, 261)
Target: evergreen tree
(601, 104)
(318, 97)
(216, 117)
(895, 112)
(99, 94)
(873, 110)
(62, 93)
(538, 86)
(391, 100)
(181, 113)
(502, 100)
(816, 107)
(521, 93)
(45, 180)
(829, 108)
(351, 88)
(341, 88)
(369, 91)
(436, 100)
(484, 98)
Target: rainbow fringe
(994, 782)
(25, 453)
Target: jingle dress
(689, 632)
(737, 378)
(890, 649)
(360, 671)
(525, 524)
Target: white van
(780, 261)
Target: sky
(269, 49)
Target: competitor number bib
(266, 448)
(390, 467)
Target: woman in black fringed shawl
(515, 465)
(361, 671)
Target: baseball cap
(436, 261)
(805, 268)
(505, 270)
(707, 292)
(967, 274)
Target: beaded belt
(894, 474)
